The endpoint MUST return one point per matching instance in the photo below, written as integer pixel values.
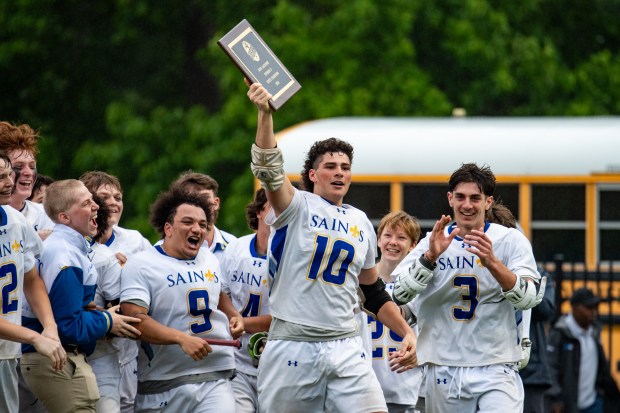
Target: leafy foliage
(141, 89)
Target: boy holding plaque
(320, 251)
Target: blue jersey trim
(111, 240)
(3, 217)
(277, 247)
(452, 226)
(253, 251)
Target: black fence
(604, 281)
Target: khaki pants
(71, 390)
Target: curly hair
(315, 153)
(165, 207)
(18, 137)
(254, 207)
(470, 172)
(103, 217)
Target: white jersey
(463, 318)
(316, 252)
(399, 388)
(108, 289)
(19, 244)
(127, 241)
(221, 239)
(36, 216)
(181, 294)
(245, 278)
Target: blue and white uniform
(71, 279)
(400, 390)
(182, 294)
(19, 244)
(467, 329)
(245, 278)
(316, 252)
(35, 214)
(221, 239)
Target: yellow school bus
(559, 175)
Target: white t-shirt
(108, 289)
(19, 244)
(182, 294)
(128, 242)
(463, 318)
(35, 214)
(316, 252)
(245, 278)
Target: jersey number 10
(330, 260)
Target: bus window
(373, 199)
(568, 242)
(426, 202)
(558, 221)
(509, 196)
(609, 225)
(558, 203)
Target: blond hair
(401, 219)
(60, 196)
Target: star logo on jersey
(210, 275)
(354, 231)
(15, 246)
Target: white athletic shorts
(493, 388)
(9, 399)
(246, 392)
(324, 376)
(108, 374)
(128, 386)
(208, 397)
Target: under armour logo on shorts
(445, 381)
(292, 363)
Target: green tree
(141, 89)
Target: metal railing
(604, 282)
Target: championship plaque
(258, 63)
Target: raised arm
(267, 160)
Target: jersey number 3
(331, 260)
(470, 295)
